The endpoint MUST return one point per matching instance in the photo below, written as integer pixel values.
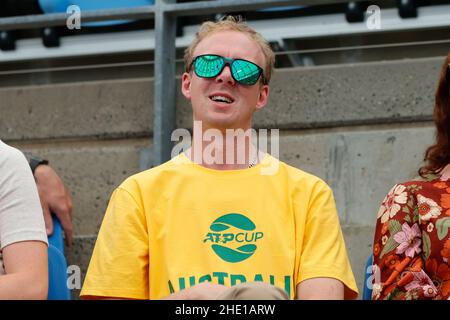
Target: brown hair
(231, 23)
(438, 155)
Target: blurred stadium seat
(51, 37)
(57, 275)
(55, 6)
(57, 265)
(288, 29)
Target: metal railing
(164, 13)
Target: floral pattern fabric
(411, 253)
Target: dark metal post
(164, 105)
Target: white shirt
(21, 217)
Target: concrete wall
(361, 127)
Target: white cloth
(21, 217)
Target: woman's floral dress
(411, 253)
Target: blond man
(193, 228)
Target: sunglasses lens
(208, 66)
(245, 72)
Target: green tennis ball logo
(233, 237)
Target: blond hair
(231, 23)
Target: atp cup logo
(233, 237)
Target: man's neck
(230, 149)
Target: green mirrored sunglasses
(243, 71)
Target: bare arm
(56, 198)
(201, 291)
(320, 289)
(26, 271)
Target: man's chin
(219, 122)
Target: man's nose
(225, 76)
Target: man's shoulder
(302, 177)
(155, 173)
(420, 184)
(11, 155)
(9, 150)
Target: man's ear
(186, 85)
(263, 97)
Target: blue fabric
(57, 275)
(56, 238)
(57, 265)
(285, 8)
(55, 6)
(367, 292)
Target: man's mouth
(223, 99)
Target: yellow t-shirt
(178, 224)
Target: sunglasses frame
(229, 62)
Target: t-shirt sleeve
(323, 248)
(21, 217)
(119, 265)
